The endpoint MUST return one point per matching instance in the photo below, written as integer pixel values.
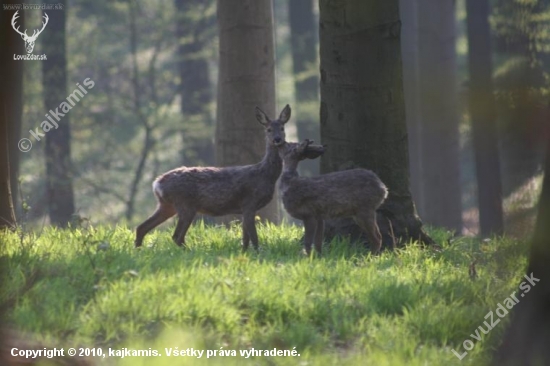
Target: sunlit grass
(408, 307)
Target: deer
(356, 193)
(29, 41)
(217, 191)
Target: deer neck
(290, 171)
(271, 164)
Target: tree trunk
(438, 102)
(363, 108)
(306, 82)
(10, 115)
(409, 50)
(196, 95)
(7, 213)
(14, 98)
(246, 80)
(57, 141)
(483, 116)
(526, 340)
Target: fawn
(353, 193)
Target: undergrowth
(89, 286)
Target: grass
(89, 286)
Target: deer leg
(246, 237)
(251, 228)
(250, 225)
(367, 222)
(164, 212)
(319, 233)
(309, 227)
(185, 218)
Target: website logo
(29, 41)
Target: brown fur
(353, 193)
(220, 191)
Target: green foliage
(522, 26)
(522, 39)
(107, 128)
(408, 307)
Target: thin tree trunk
(246, 80)
(57, 141)
(306, 81)
(14, 98)
(7, 213)
(10, 114)
(363, 108)
(142, 117)
(483, 115)
(438, 102)
(411, 87)
(195, 91)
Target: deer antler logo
(29, 41)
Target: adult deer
(220, 191)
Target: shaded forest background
(153, 107)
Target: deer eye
(269, 130)
(283, 129)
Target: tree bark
(57, 141)
(11, 111)
(7, 213)
(246, 80)
(438, 101)
(409, 51)
(363, 108)
(526, 340)
(306, 81)
(483, 116)
(195, 90)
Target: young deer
(220, 191)
(353, 193)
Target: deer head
(306, 150)
(29, 41)
(294, 152)
(274, 129)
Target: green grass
(409, 307)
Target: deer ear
(285, 115)
(261, 117)
(303, 146)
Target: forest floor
(89, 288)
